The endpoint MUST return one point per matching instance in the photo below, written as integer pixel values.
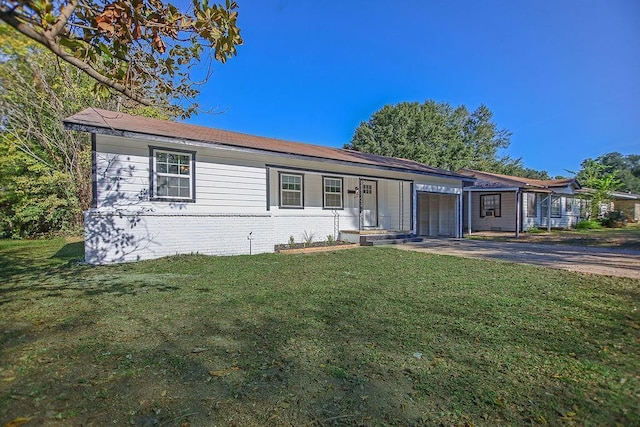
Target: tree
(599, 181)
(627, 169)
(436, 134)
(516, 168)
(45, 178)
(136, 47)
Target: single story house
(498, 202)
(163, 188)
(628, 203)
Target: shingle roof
(115, 123)
(496, 180)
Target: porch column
(460, 215)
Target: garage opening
(436, 215)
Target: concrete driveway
(603, 261)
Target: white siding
(505, 222)
(567, 219)
(234, 196)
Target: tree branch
(65, 14)
(53, 46)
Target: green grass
(313, 340)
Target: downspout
(518, 211)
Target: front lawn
(621, 238)
(369, 336)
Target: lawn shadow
(70, 252)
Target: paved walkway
(603, 261)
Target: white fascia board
(492, 189)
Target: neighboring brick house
(163, 188)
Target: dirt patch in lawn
(582, 259)
(623, 238)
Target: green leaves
(157, 38)
(433, 133)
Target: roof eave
(83, 127)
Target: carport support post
(518, 212)
(469, 213)
(549, 213)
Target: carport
(438, 214)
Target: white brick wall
(130, 236)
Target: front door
(369, 203)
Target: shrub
(614, 219)
(588, 224)
(535, 230)
(307, 238)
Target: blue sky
(562, 76)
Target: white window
(291, 188)
(568, 205)
(532, 205)
(556, 207)
(173, 175)
(332, 193)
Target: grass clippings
(316, 339)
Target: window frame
(280, 190)
(153, 175)
(324, 192)
(484, 210)
(532, 213)
(569, 203)
(558, 201)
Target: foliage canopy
(437, 134)
(601, 182)
(136, 47)
(626, 168)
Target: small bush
(588, 224)
(535, 230)
(614, 219)
(307, 238)
(330, 238)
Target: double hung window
(332, 190)
(291, 190)
(172, 175)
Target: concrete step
(399, 241)
(364, 238)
